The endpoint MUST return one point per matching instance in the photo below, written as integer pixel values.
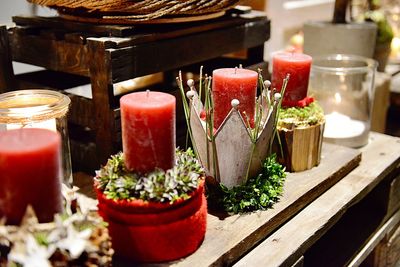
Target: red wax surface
(30, 173)
(148, 131)
(229, 84)
(298, 66)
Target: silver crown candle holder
(234, 151)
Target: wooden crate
(109, 54)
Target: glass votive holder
(344, 86)
(38, 109)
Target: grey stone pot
(322, 38)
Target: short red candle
(298, 66)
(148, 131)
(234, 83)
(30, 173)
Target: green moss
(296, 117)
(258, 193)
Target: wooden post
(7, 80)
(339, 14)
(100, 73)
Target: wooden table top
(335, 185)
(380, 158)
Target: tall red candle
(30, 173)
(298, 66)
(234, 83)
(148, 130)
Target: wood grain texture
(381, 238)
(302, 147)
(56, 22)
(102, 92)
(51, 54)
(228, 239)
(394, 196)
(168, 54)
(7, 80)
(380, 158)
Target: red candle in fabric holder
(30, 173)
(148, 131)
(234, 83)
(298, 66)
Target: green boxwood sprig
(259, 192)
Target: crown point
(235, 103)
(190, 94)
(267, 83)
(190, 83)
(277, 96)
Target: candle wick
(147, 93)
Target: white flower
(34, 255)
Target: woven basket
(138, 9)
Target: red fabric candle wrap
(143, 231)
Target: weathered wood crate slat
(380, 160)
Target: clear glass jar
(38, 109)
(344, 86)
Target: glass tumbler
(38, 109)
(344, 86)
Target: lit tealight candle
(341, 129)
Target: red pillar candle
(148, 130)
(298, 66)
(30, 173)
(234, 83)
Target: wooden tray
(127, 21)
(228, 239)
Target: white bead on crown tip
(235, 103)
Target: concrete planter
(322, 38)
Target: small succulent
(116, 182)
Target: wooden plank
(81, 111)
(102, 92)
(168, 54)
(394, 196)
(59, 23)
(51, 54)
(381, 157)
(299, 262)
(374, 240)
(167, 31)
(77, 37)
(140, 33)
(7, 80)
(229, 238)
